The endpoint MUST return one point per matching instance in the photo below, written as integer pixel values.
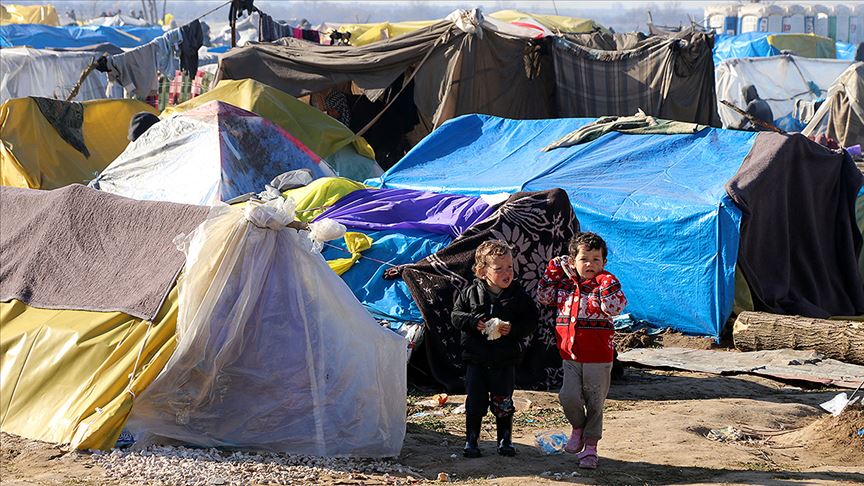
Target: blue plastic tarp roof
(45, 36)
(658, 200)
(751, 44)
(387, 299)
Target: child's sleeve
(612, 299)
(462, 316)
(550, 282)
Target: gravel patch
(186, 466)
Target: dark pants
(489, 387)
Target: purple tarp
(407, 209)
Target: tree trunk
(840, 340)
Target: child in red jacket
(587, 298)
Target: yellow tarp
(319, 195)
(33, 155)
(29, 14)
(318, 131)
(363, 34)
(805, 45)
(551, 22)
(65, 373)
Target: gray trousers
(582, 395)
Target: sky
(623, 16)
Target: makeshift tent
(780, 80)
(51, 74)
(28, 14)
(462, 71)
(349, 155)
(841, 116)
(538, 225)
(212, 153)
(72, 376)
(670, 77)
(34, 154)
(405, 226)
(765, 44)
(363, 34)
(659, 201)
(42, 36)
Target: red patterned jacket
(583, 328)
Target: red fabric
(583, 327)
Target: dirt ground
(656, 428)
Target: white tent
(780, 81)
(274, 352)
(50, 74)
(206, 155)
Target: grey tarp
(487, 73)
(841, 117)
(799, 240)
(79, 248)
(668, 77)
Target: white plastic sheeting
(780, 81)
(50, 74)
(274, 352)
(212, 153)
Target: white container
(757, 17)
(816, 20)
(722, 19)
(838, 26)
(794, 19)
(856, 24)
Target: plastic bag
(493, 328)
(273, 352)
(551, 443)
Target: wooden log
(840, 340)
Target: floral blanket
(538, 225)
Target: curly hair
(486, 251)
(588, 241)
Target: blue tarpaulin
(658, 200)
(751, 44)
(45, 36)
(387, 299)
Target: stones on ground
(186, 466)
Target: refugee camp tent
(51, 74)
(363, 34)
(661, 203)
(670, 76)
(43, 36)
(28, 14)
(506, 77)
(46, 144)
(212, 153)
(81, 354)
(841, 116)
(349, 155)
(780, 80)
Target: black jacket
(513, 305)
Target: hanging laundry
(193, 39)
(269, 30)
(312, 36)
(138, 67)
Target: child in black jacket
(490, 359)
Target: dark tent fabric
(464, 73)
(795, 259)
(668, 77)
(539, 226)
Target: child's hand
(504, 328)
(481, 325)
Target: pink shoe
(575, 444)
(588, 457)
